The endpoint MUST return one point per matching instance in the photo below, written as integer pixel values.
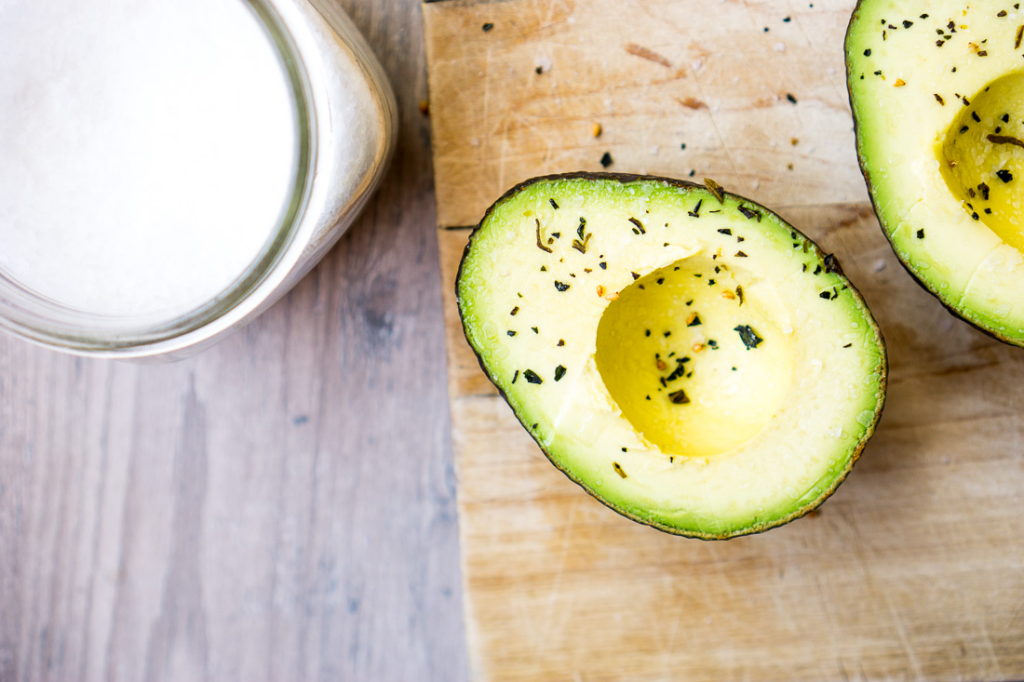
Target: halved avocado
(937, 92)
(682, 353)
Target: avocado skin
(848, 53)
(625, 179)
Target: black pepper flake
(805, 267)
(510, 332)
(966, 101)
(984, 189)
(543, 268)
(532, 377)
(988, 211)
(924, 16)
(817, 270)
(940, 43)
(647, 332)
(1002, 13)
(867, 52)
(560, 286)
(603, 266)
(951, 26)
(689, 303)
(635, 276)
(696, 209)
(1020, 34)
(920, 234)
(1005, 118)
(983, 53)
(539, 70)
(832, 265)
(998, 129)
(487, 27)
(878, 73)
(825, 295)
(938, 98)
(679, 397)
(515, 311)
(639, 225)
(907, 23)
(786, 20)
(554, 204)
(661, 280)
(740, 254)
(790, 97)
(964, 130)
(726, 230)
(848, 345)
(535, 330)
(561, 342)
(712, 344)
(559, 373)
(748, 336)
(975, 215)
(696, 321)
(974, 115)
(711, 282)
(606, 160)
(1004, 175)
(515, 376)
(556, 235)
(618, 469)
(667, 334)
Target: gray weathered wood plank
(279, 507)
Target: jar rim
(34, 317)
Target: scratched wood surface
(915, 568)
(280, 507)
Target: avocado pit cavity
(694, 358)
(982, 157)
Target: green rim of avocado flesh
(682, 353)
(937, 96)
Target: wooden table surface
(281, 507)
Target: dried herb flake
(679, 397)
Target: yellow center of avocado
(693, 357)
(982, 162)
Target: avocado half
(937, 92)
(685, 355)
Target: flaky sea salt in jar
(169, 169)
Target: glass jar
(169, 170)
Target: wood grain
(280, 507)
(913, 570)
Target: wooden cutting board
(915, 568)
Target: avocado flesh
(937, 108)
(577, 349)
